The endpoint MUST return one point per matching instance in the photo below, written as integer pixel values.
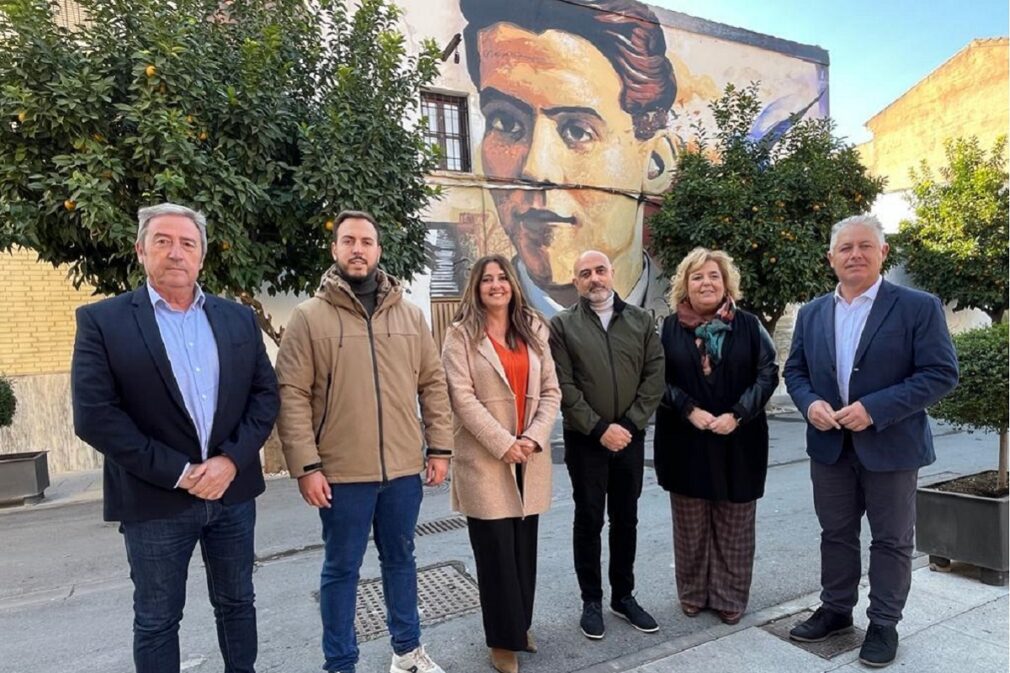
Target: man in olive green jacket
(354, 363)
(610, 367)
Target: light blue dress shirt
(192, 352)
(850, 319)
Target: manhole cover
(444, 591)
(826, 649)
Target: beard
(356, 273)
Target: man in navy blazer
(174, 388)
(866, 361)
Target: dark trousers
(608, 481)
(842, 493)
(714, 545)
(505, 551)
(159, 551)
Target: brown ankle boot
(504, 661)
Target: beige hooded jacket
(350, 386)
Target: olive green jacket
(612, 376)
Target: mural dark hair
(522, 317)
(626, 32)
(357, 215)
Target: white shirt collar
(870, 293)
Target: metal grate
(826, 649)
(444, 591)
(445, 525)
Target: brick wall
(37, 305)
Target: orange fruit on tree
(70, 204)
(150, 71)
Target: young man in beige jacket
(353, 365)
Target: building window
(447, 128)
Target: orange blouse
(517, 368)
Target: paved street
(65, 597)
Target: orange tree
(956, 247)
(268, 115)
(768, 201)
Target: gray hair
(869, 221)
(145, 215)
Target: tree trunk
(1001, 476)
(262, 317)
(273, 457)
(770, 321)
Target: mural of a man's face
(551, 105)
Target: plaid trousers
(713, 541)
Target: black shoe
(822, 624)
(630, 611)
(592, 620)
(880, 645)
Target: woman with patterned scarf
(711, 443)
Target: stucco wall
(965, 96)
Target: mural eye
(507, 124)
(576, 132)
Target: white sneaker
(416, 661)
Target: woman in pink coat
(505, 398)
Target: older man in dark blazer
(174, 388)
(866, 361)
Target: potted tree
(24, 477)
(966, 518)
(956, 248)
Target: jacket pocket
(326, 408)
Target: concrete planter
(961, 527)
(24, 477)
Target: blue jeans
(159, 551)
(389, 510)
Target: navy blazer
(904, 363)
(127, 404)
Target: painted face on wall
(551, 105)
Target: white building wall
(893, 207)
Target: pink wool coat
(484, 426)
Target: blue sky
(878, 48)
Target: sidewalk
(63, 571)
(952, 622)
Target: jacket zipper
(326, 407)
(378, 399)
(610, 356)
(613, 372)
